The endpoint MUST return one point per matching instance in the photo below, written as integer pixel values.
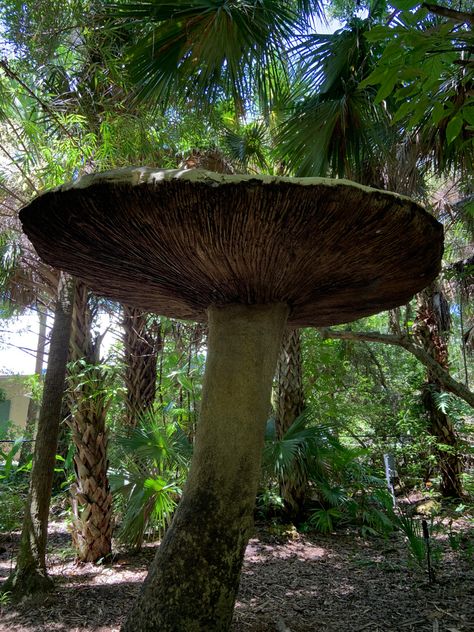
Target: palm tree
(91, 496)
(431, 329)
(349, 132)
(142, 341)
(154, 460)
(346, 121)
(289, 405)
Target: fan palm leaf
(248, 146)
(304, 447)
(334, 126)
(199, 49)
(154, 460)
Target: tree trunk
(90, 495)
(431, 327)
(448, 457)
(30, 574)
(193, 581)
(289, 405)
(142, 343)
(33, 407)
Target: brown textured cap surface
(174, 242)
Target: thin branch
(448, 383)
(31, 352)
(461, 17)
(374, 359)
(9, 208)
(20, 168)
(12, 193)
(10, 73)
(17, 135)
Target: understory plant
(342, 489)
(13, 487)
(151, 464)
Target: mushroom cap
(175, 242)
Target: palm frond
(199, 49)
(323, 520)
(248, 146)
(154, 462)
(302, 447)
(337, 136)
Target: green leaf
(468, 114)
(438, 112)
(453, 129)
(405, 109)
(386, 88)
(421, 107)
(404, 5)
(186, 383)
(378, 33)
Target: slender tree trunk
(91, 495)
(431, 326)
(142, 343)
(289, 405)
(30, 574)
(33, 406)
(193, 581)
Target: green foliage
(309, 446)
(411, 528)
(5, 598)
(7, 459)
(150, 467)
(269, 503)
(371, 395)
(13, 486)
(12, 506)
(424, 69)
(323, 520)
(328, 105)
(342, 487)
(34, 387)
(279, 99)
(200, 50)
(248, 146)
(462, 542)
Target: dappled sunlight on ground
(299, 583)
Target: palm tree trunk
(431, 327)
(91, 495)
(30, 574)
(193, 581)
(33, 407)
(449, 459)
(289, 405)
(142, 342)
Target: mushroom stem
(193, 581)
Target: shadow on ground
(305, 584)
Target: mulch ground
(290, 583)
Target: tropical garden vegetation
(364, 416)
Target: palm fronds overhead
(201, 48)
(333, 125)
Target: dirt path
(295, 584)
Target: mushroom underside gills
(175, 243)
(193, 581)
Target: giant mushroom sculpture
(250, 254)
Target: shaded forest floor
(290, 583)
